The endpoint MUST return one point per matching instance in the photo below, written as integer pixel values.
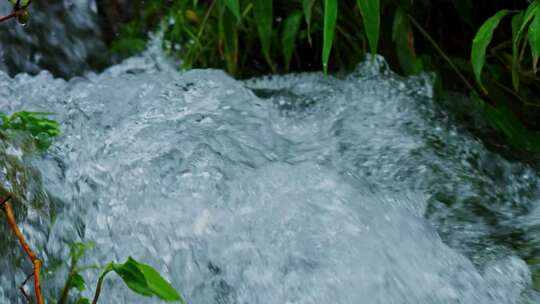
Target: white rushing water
(284, 189)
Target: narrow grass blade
(517, 20)
(370, 10)
(402, 35)
(534, 39)
(308, 9)
(330, 18)
(234, 6)
(289, 35)
(263, 12)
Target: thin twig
(21, 288)
(36, 263)
(441, 53)
(25, 295)
(13, 14)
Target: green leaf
(481, 41)
(77, 281)
(308, 8)
(82, 301)
(370, 10)
(534, 39)
(263, 12)
(228, 32)
(78, 249)
(133, 277)
(37, 124)
(22, 3)
(529, 14)
(159, 286)
(288, 37)
(517, 20)
(518, 135)
(146, 281)
(330, 18)
(402, 35)
(234, 6)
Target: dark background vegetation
(195, 36)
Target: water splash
(284, 189)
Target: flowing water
(284, 189)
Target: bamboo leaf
(229, 37)
(529, 14)
(288, 38)
(517, 20)
(263, 12)
(330, 18)
(308, 8)
(370, 10)
(234, 6)
(402, 35)
(481, 41)
(534, 39)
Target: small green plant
(19, 12)
(249, 37)
(140, 278)
(41, 128)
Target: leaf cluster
(140, 278)
(41, 128)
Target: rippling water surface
(286, 189)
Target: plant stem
(108, 269)
(36, 263)
(441, 53)
(12, 15)
(65, 290)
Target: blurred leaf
(146, 281)
(517, 20)
(288, 38)
(234, 6)
(22, 3)
(518, 135)
(402, 35)
(330, 18)
(370, 10)
(83, 301)
(481, 41)
(308, 8)
(77, 281)
(529, 14)
(465, 9)
(534, 39)
(78, 249)
(37, 124)
(229, 36)
(263, 12)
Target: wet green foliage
(140, 278)
(488, 49)
(42, 129)
(253, 37)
